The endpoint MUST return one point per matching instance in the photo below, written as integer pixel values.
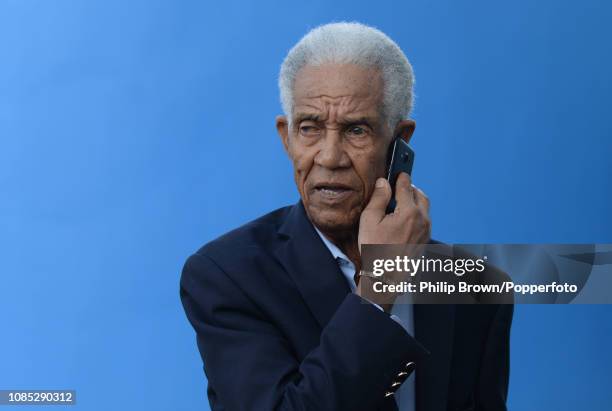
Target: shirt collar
(333, 249)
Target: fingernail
(380, 183)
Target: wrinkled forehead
(341, 89)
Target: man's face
(337, 141)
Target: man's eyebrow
(367, 120)
(307, 116)
(370, 121)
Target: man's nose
(332, 153)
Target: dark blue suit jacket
(278, 329)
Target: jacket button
(402, 376)
(396, 384)
(409, 367)
(388, 394)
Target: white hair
(352, 43)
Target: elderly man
(283, 320)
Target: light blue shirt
(401, 312)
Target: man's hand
(408, 224)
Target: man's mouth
(332, 191)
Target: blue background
(119, 121)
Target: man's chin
(333, 219)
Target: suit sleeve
(495, 371)
(251, 366)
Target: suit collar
(311, 266)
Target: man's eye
(357, 131)
(309, 131)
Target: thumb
(380, 198)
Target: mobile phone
(399, 158)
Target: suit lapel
(434, 325)
(311, 265)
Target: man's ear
(404, 130)
(282, 128)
